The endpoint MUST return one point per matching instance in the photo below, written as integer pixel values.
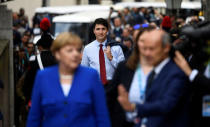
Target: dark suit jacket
(85, 106)
(203, 81)
(166, 103)
(123, 75)
(200, 87)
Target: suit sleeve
(175, 90)
(85, 60)
(99, 103)
(35, 113)
(117, 54)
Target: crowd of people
(128, 76)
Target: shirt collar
(161, 65)
(98, 43)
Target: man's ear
(167, 48)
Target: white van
(79, 23)
(70, 9)
(50, 12)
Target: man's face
(125, 33)
(100, 32)
(30, 47)
(127, 43)
(117, 22)
(25, 39)
(151, 47)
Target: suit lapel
(157, 81)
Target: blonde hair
(65, 38)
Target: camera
(192, 39)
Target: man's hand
(108, 53)
(182, 63)
(123, 99)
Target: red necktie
(102, 65)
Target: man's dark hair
(102, 22)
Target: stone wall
(6, 66)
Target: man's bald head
(156, 46)
(159, 36)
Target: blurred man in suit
(166, 95)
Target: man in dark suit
(199, 77)
(166, 101)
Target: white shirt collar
(98, 43)
(159, 67)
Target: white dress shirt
(90, 57)
(160, 66)
(194, 73)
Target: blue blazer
(166, 103)
(85, 105)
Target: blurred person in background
(137, 18)
(22, 15)
(35, 62)
(22, 62)
(132, 74)
(68, 94)
(43, 59)
(193, 58)
(16, 36)
(199, 78)
(30, 49)
(166, 95)
(166, 24)
(125, 34)
(127, 16)
(128, 43)
(24, 41)
(117, 28)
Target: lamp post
(173, 5)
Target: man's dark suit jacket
(200, 87)
(166, 103)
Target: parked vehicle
(79, 23)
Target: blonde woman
(68, 95)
